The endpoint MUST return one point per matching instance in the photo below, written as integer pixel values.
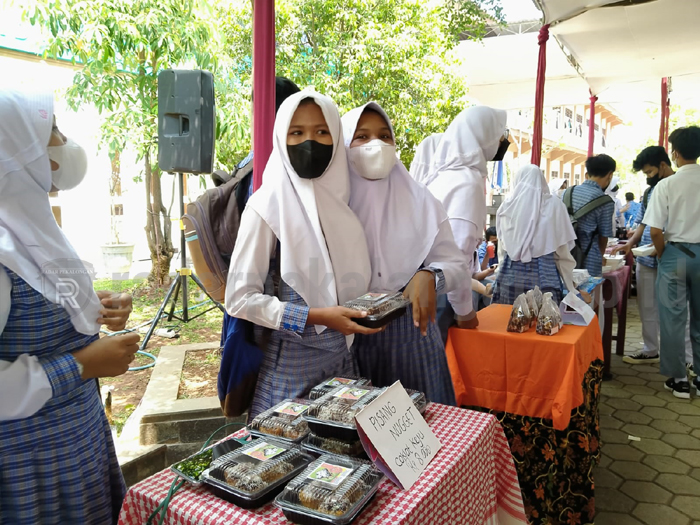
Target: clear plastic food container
(331, 490)
(283, 421)
(253, 475)
(333, 415)
(381, 308)
(324, 445)
(334, 382)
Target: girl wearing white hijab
(458, 179)
(558, 187)
(536, 238)
(420, 167)
(301, 219)
(57, 458)
(411, 247)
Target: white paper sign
(574, 310)
(396, 437)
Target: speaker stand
(179, 285)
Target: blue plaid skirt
(293, 364)
(401, 353)
(516, 277)
(58, 466)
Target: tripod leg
(156, 319)
(185, 305)
(201, 287)
(177, 294)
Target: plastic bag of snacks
(549, 321)
(538, 297)
(520, 316)
(532, 305)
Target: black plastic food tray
(379, 321)
(214, 479)
(306, 519)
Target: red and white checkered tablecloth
(472, 481)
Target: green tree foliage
(399, 53)
(123, 45)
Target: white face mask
(374, 160)
(72, 165)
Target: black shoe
(640, 358)
(680, 389)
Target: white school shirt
(24, 386)
(675, 206)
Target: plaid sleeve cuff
(294, 318)
(62, 371)
(439, 278)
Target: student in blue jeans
(675, 208)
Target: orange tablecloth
(524, 374)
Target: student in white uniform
(420, 167)
(458, 179)
(410, 252)
(675, 207)
(536, 239)
(299, 222)
(656, 166)
(57, 458)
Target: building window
(554, 174)
(569, 113)
(567, 175)
(577, 179)
(597, 127)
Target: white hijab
(324, 255)
(420, 167)
(401, 218)
(459, 168)
(31, 243)
(532, 222)
(555, 185)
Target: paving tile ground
(656, 480)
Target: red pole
(591, 126)
(664, 108)
(263, 85)
(668, 121)
(536, 156)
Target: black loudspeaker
(186, 121)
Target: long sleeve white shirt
(250, 264)
(467, 236)
(24, 385)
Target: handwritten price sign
(396, 437)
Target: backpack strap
(568, 200)
(591, 206)
(645, 199)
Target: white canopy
(627, 49)
(501, 72)
(621, 50)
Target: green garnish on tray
(194, 466)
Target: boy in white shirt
(675, 207)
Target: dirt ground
(200, 372)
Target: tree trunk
(157, 229)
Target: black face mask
(310, 158)
(653, 181)
(502, 148)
